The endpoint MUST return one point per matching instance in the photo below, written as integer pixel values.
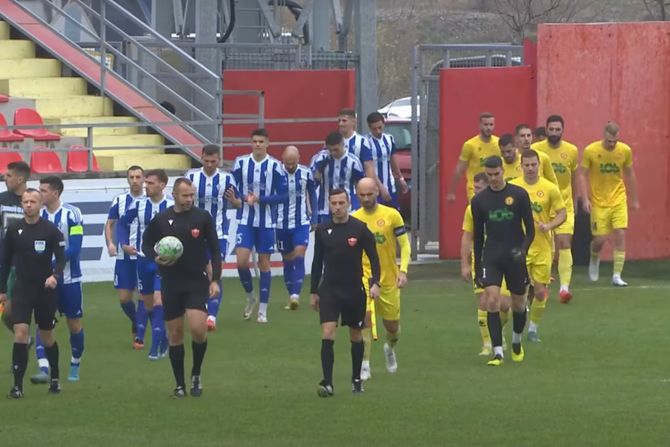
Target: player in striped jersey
(213, 190)
(335, 168)
(294, 218)
(262, 185)
(132, 226)
(70, 301)
(383, 150)
(125, 268)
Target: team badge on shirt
(540, 194)
(40, 246)
(381, 222)
(352, 241)
(509, 200)
(195, 232)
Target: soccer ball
(169, 248)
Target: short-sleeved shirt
(69, 221)
(606, 172)
(475, 152)
(120, 206)
(515, 170)
(564, 161)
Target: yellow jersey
(514, 170)
(606, 172)
(387, 225)
(564, 161)
(475, 152)
(546, 200)
(468, 224)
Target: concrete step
(131, 142)
(43, 87)
(74, 106)
(16, 49)
(97, 131)
(155, 161)
(29, 68)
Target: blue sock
(245, 279)
(298, 274)
(266, 279)
(77, 345)
(129, 309)
(157, 329)
(141, 318)
(213, 304)
(42, 361)
(288, 275)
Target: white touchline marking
(611, 288)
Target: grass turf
(601, 376)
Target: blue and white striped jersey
(69, 221)
(300, 209)
(357, 145)
(382, 149)
(266, 180)
(143, 210)
(120, 206)
(344, 173)
(209, 196)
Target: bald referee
(338, 250)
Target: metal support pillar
(321, 28)
(162, 19)
(205, 32)
(366, 47)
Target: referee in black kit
(185, 284)
(503, 231)
(30, 244)
(338, 255)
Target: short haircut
(336, 191)
(485, 115)
(555, 119)
(347, 112)
(334, 138)
(520, 127)
(530, 153)
(55, 183)
(20, 167)
(181, 181)
(540, 132)
(506, 139)
(260, 132)
(480, 177)
(159, 173)
(32, 191)
(167, 105)
(612, 128)
(493, 162)
(135, 168)
(210, 149)
(375, 117)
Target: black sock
(52, 356)
(327, 360)
(177, 362)
(19, 362)
(495, 328)
(199, 350)
(356, 359)
(519, 321)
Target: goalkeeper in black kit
(503, 231)
(338, 259)
(185, 284)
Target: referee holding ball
(185, 284)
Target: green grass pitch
(601, 376)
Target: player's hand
(402, 280)
(3, 298)
(317, 176)
(252, 199)
(51, 282)
(384, 192)
(314, 301)
(230, 196)
(374, 291)
(214, 289)
(479, 282)
(111, 249)
(129, 249)
(544, 227)
(518, 255)
(403, 185)
(451, 197)
(164, 262)
(586, 205)
(466, 273)
(635, 205)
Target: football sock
(565, 267)
(288, 275)
(619, 258)
(263, 308)
(495, 328)
(504, 317)
(42, 361)
(264, 286)
(483, 327)
(213, 304)
(519, 322)
(367, 341)
(199, 350)
(594, 257)
(392, 338)
(52, 355)
(129, 309)
(536, 313)
(141, 319)
(177, 362)
(19, 362)
(245, 279)
(327, 360)
(298, 274)
(77, 345)
(356, 359)
(157, 328)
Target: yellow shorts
(388, 304)
(604, 220)
(567, 227)
(539, 266)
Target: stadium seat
(7, 158)
(6, 135)
(44, 161)
(4, 98)
(77, 161)
(30, 117)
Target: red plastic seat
(7, 158)
(30, 117)
(6, 135)
(4, 98)
(77, 161)
(45, 162)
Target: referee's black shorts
(179, 295)
(34, 298)
(345, 306)
(515, 274)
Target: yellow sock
(619, 259)
(565, 267)
(537, 311)
(504, 318)
(483, 327)
(393, 337)
(367, 343)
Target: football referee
(338, 250)
(185, 284)
(30, 244)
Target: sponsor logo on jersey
(500, 215)
(380, 238)
(609, 168)
(536, 207)
(559, 168)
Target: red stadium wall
(621, 71)
(464, 94)
(290, 94)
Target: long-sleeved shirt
(299, 209)
(68, 220)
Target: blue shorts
(125, 274)
(324, 218)
(287, 240)
(263, 239)
(147, 276)
(223, 249)
(70, 300)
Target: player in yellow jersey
(510, 155)
(564, 160)
(524, 139)
(389, 229)
(608, 163)
(467, 273)
(474, 152)
(548, 213)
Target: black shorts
(34, 298)
(178, 296)
(348, 307)
(515, 274)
